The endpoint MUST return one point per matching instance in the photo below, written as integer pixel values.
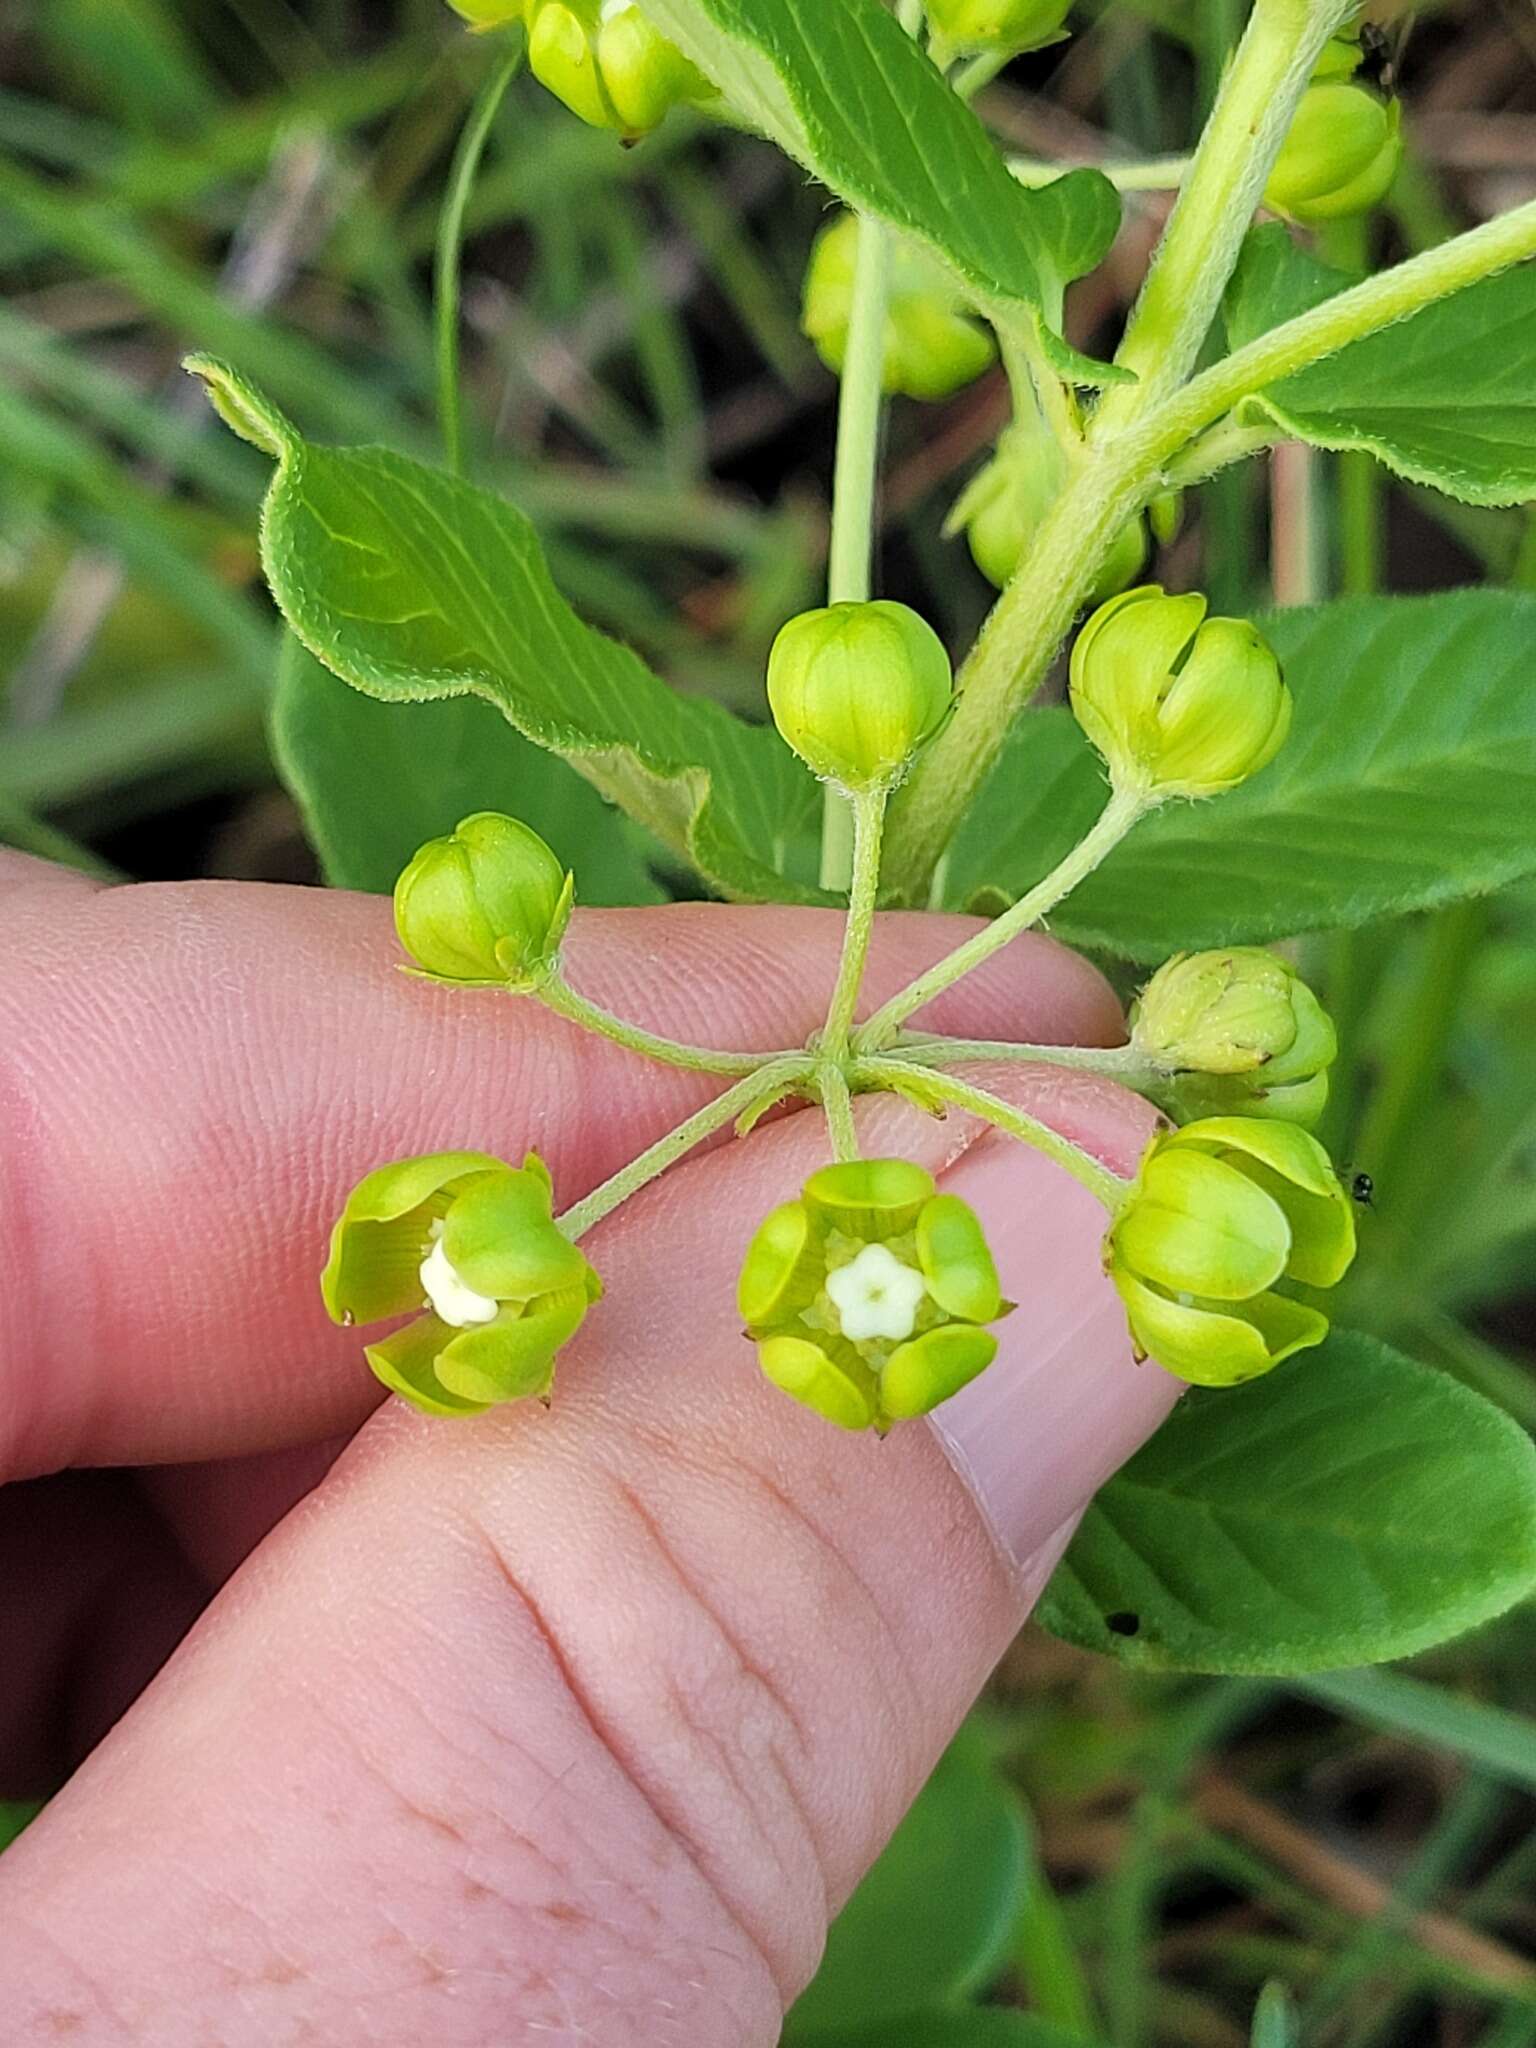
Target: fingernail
(1064, 1404)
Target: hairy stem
(1122, 1063)
(1100, 1182)
(450, 243)
(1116, 819)
(1218, 198)
(698, 1059)
(837, 1101)
(868, 830)
(629, 1180)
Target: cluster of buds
(1011, 25)
(471, 1242)
(602, 58)
(1222, 1215)
(868, 1296)
(1001, 508)
(1238, 1032)
(856, 689)
(933, 345)
(1178, 704)
(1344, 145)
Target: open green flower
(866, 1296)
(1239, 1031)
(472, 1242)
(933, 345)
(1221, 1215)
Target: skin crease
(566, 1727)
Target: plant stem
(1156, 174)
(450, 244)
(655, 1160)
(868, 831)
(1019, 641)
(1100, 1182)
(1120, 1063)
(1119, 815)
(697, 1059)
(837, 1101)
(1363, 309)
(1198, 250)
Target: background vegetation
(1125, 1857)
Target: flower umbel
(1222, 1214)
(1237, 1030)
(867, 1295)
(472, 1241)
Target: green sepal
(501, 1240)
(957, 1263)
(406, 1363)
(872, 1199)
(1293, 1169)
(840, 1388)
(928, 1369)
(385, 1231)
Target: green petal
(956, 1260)
(1294, 1154)
(1301, 1102)
(500, 1238)
(922, 1373)
(513, 1357)
(843, 1390)
(1217, 1346)
(384, 1233)
(407, 1364)
(784, 1267)
(1196, 1225)
(1322, 1229)
(1315, 1046)
(870, 1198)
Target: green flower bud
(487, 14)
(856, 688)
(490, 903)
(1015, 25)
(1178, 704)
(1340, 157)
(1004, 503)
(1341, 58)
(1242, 1032)
(1222, 1214)
(866, 1296)
(932, 344)
(472, 1241)
(609, 65)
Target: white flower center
(875, 1295)
(454, 1302)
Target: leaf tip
(242, 407)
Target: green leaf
(375, 780)
(930, 1923)
(1353, 1506)
(15, 1814)
(981, 2027)
(413, 586)
(1408, 780)
(1446, 397)
(847, 93)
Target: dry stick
(1233, 1811)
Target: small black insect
(1362, 1189)
(1123, 1624)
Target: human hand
(573, 1726)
